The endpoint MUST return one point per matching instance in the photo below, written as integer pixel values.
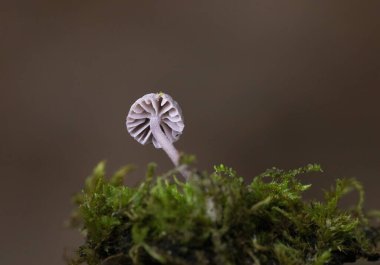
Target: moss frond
(218, 219)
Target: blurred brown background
(261, 84)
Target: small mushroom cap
(155, 105)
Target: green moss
(219, 219)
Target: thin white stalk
(166, 145)
(164, 142)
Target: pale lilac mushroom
(156, 118)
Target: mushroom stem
(168, 147)
(164, 142)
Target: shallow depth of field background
(261, 84)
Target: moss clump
(218, 219)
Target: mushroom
(156, 118)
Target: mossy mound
(218, 219)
